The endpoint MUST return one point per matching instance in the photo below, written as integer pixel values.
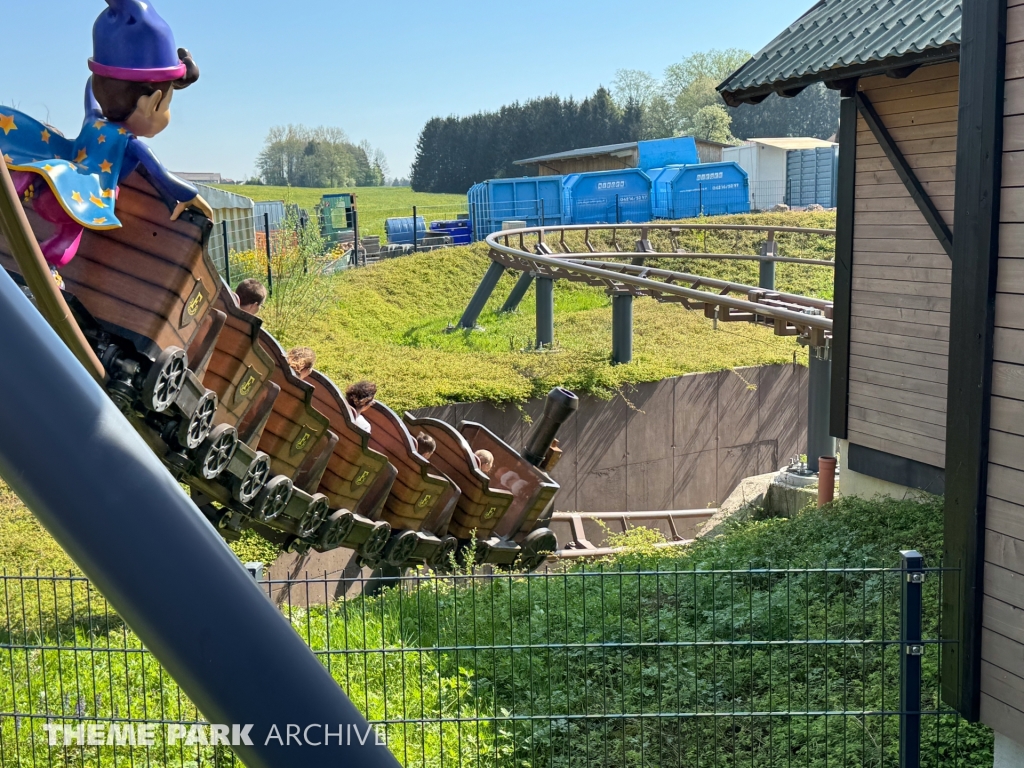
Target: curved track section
(546, 252)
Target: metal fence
(587, 667)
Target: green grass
(375, 204)
(571, 645)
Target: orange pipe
(826, 479)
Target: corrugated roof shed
(841, 38)
(792, 142)
(608, 149)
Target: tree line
(298, 156)
(453, 153)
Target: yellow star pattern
(45, 136)
(97, 201)
(102, 139)
(76, 197)
(106, 166)
(98, 124)
(107, 193)
(122, 131)
(100, 220)
(47, 167)
(82, 155)
(8, 158)
(7, 123)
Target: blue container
(459, 230)
(709, 189)
(608, 197)
(657, 153)
(537, 200)
(399, 230)
(274, 208)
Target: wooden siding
(899, 309)
(1002, 641)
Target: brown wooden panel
(913, 149)
(891, 181)
(908, 343)
(1002, 652)
(1006, 449)
(874, 160)
(901, 410)
(909, 424)
(934, 332)
(999, 683)
(912, 132)
(1014, 30)
(1004, 551)
(872, 245)
(894, 232)
(1006, 518)
(1008, 346)
(908, 274)
(898, 368)
(1007, 415)
(935, 389)
(891, 218)
(1013, 169)
(1006, 619)
(999, 716)
(120, 313)
(1005, 483)
(883, 83)
(1013, 97)
(917, 104)
(1009, 311)
(901, 287)
(901, 314)
(936, 446)
(1011, 276)
(1008, 380)
(923, 117)
(898, 354)
(943, 204)
(904, 299)
(913, 399)
(870, 440)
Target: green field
(375, 204)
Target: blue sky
(379, 69)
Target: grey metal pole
(227, 252)
(545, 312)
(270, 271)
(483, 293)
(819, 385)
(767, 276)
(415, 245)
(209, 624)
(355, 232)
(518, 292)
(622, 328)
(912, 651)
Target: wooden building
(928, 344)
(615, 157)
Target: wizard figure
(73, 184)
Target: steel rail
(558, 266)
(711, 256)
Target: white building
(764, 160)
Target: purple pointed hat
(132, 42)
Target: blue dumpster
(537, 200)
(608, 197)
(399, 230)
(709, 189)
(458, 230)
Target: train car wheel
(216, 452)
(273, 499)
(248, 486)
(376, 541)
(536, 548)
(335, 530)
(400, 548)
(165, 379)
(192, 432)
(316, 513)
(442, 558)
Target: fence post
(355, 231)
(767, 277)
(483, 293)
(414, 245)
(270, 271)
(622, 327)
(227, 252)
(545, 312)
(911, 653)
(819, 387)
(518, 292)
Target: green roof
(837, 39)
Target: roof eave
(834, 78)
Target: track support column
(819, 385)
(767, 276)
(483, 293)
(622, 327)
(518, 292)
(545, 312)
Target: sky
(379, 70)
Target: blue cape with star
(83, 173)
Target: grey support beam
(622, 328)
(545, 312)
(819, 384)
(518, 292)
(906, 173)
(483, 293)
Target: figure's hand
(195, 202)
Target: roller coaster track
(546, 253)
